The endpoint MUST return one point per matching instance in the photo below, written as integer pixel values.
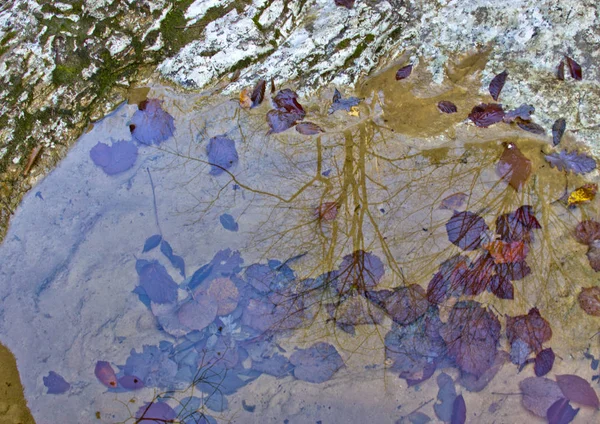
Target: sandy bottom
(13, 409)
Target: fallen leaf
(226, 295)
(222, 154)
(116, 158)
(501, 287)
(447, 107)
(539, 393)
(199, 312)
(531, 127)
(522, 112)
(593, 255)
(152, 125)
(327, 211)
(531, 328)
(465, 230)
(517, 225)
(245, 100)
(485, 115)
(228, 222)
(459, 411)
(280, 121)
(579, 163)
(544, 362)
(404, 72)
(105, 373)
(286, 101)
(156, 282)
(583, 194)
(273, 86)
(444, 284)
(159, 412)
(348, 4)
(497, 84)
(513, 166)
(308, 128)
(561, 412)
(574, 69)
(56, 384)
(316, 364)
(477, 383)
(558, 130)
(131, 382)
(454, 201)
(589, 300)
(258, 94)
(360, 271)
(354, 111)
(32, 158)
(578, 390)
(560, 70)
(513, 271)
(339, 103)
(152, 242)
(588, 231)
(176, 261)
(446, 396)
(404, 304)
(507, 252)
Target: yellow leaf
(353, 111)
(245, 100)
(583, 194)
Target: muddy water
(69, 261)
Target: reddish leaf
(496, 84)
(345, 3)
(543, 362)
(574, 69)
(443, 285)
(517, 225)
(531, 328)
(447, 107)
(587, 231)
(404, 305)
(579, 163)
(502, 287)
(593, 255)
(539, 394)
(459, 411)
(403, 72)
(522, 112)
(531, 127)
(272, 86)
(578, 390)
(280, 121)
(476, 278)
(560, 70)
(327, 211)
(258, 94)
(558, 129)
(286, 101)
(465, 230)
(513, 166)
(507, 252)
(485, 115)
(589, 300)
(561, 412)
(105, 373)
(454, 201)
(308, 128)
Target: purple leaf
(531, 127)
(475, 383)
(131, 382)
(443, 284)
(360, 270)
(517, 225)
(280, 121)
(156, 412)
(228, 222)
(447, 107)
(539, 394)
(348, 4)
(316, 364)
(522, 112)
(459, 411)
(225, 294)
(340, 103)
(531, 328)
(308, 128)
(497, 84)
(558, 129)
(485, 115)
(574, 69)
(587, 231)
(513, 271)
(156, 282)
(152, 242)
(114, 159)
(404, 304)
(561, 412)
(354, 310)
(224, 263)
(105, 373)
(465, 230)
(446, 396)
(222, 154)
(176, 261)
(404, 72)
(152, 366)
(501, 287)
(277, 365)
(578, 390)
(593, 255)
(574, 161)
(56, 384)
(151, 124)
(258, 94)
(285, 101)
(454, 201)
(198, 313)
(544, 362)
(416, 417)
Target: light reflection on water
(261, 297)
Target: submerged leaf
(454, 201)
(404, 72)
(485, 115)
(404, 304)
(560, 70)
(578, 390)
(589, 300)
(105, 373)
(327, 211)
(507, 252)
(574, 69)
(245, 100)
(280, 121)
(316, 364)
(131, 382)
(176, 261)
(222, 154)
(151, 124)
(593, 255)
(156, 412)
(228, 222)
(583, 194)
(531, 127)
(539, 394)
(308, 128)
(513, 166)
(339, 103)
(56, 384)
(447, 107)
(517, 225)
(258, 94)
(558, 130)
(579, 163)
(561, 412)
(446, 396)
(225, 294)
(588, 231)
(360, 271)
(116, 158)
(285, 101)
(543, 362)
(152, 242)
(465, 230)
(497, 84)
(459, 411)
(522, 112)
(198, 313)
(531, 328)
(156, 282)
(501, 287)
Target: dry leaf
(583, 194)
(245, 100)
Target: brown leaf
(258, 94)
(513, 166)
(531, 328)
(589, 300)
(574, 69)
(486, 114)
(507, 252)
(560, 70)
(531, 127)
(245, 100)
(308, 128)
(593, 255)
(447, 107)
(348, 4)
(272, 86)
(32, 158)
(497, 84)
(403, 72)
(327, 211)
(587, 231)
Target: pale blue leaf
(114, 159)
(151, 124)
(222, 154)
(228, 222)
(56, 384)
(152, 242)
(157, 283)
